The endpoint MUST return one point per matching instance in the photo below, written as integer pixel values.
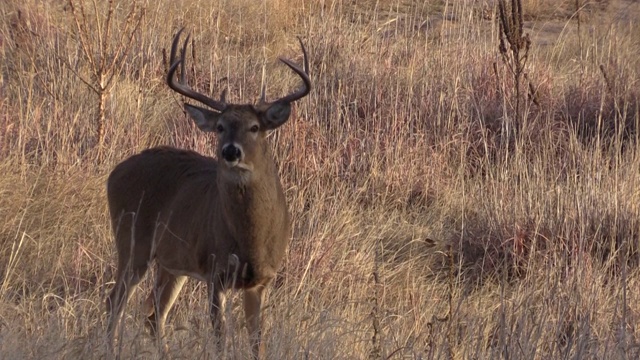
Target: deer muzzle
(232, 154)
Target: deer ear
(275, 115)
(204, 118)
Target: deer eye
(254, 128)
(220, 128)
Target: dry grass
(486, 243)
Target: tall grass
(423, 227)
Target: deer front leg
(161, 300)
(216, 313)
(252, 305)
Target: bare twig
(105, 57)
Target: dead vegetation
(423, 227)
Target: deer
(223, 220)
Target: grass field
(440, 210)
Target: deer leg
(126, 282)
(252, 303)
(133, 263)
(161, 300)
(216, 302)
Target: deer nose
(231, 153)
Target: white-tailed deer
(221, 221)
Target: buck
(224, 221)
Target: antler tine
(181, 86)
(304, 74)
(183, 56)
(223, 95)
(174, 47)
(304, 54)
(263, 93)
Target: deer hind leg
(126, 281)
(253, 298)
(133, 262)
(161, 300)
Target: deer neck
(249, 197)
(255, 218)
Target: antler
(303, 73)
(180, 86)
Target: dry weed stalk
(376, 349)
(105, 57)
(514, 49)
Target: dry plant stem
(105, 56)
(578, 19)
(376, 351)
(450, 297)
(514, 48)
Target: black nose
(231, 153)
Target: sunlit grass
(403, 162)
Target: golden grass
(487, 242)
